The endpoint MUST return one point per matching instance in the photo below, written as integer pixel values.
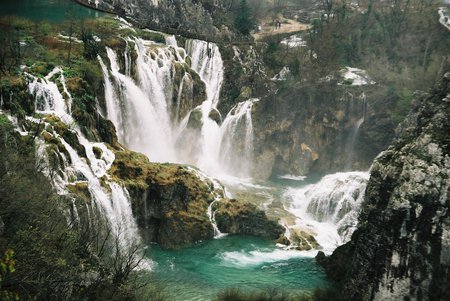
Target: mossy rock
(237, 217)
(303, 241)
(81, 190)
(215, 115)
(195, 120)
(166, 198)
(97, 152)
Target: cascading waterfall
(145, 124)
(237, 139)
(148, 121)
(147, 113)
(112, 201)
(330, 207)
(207, 62)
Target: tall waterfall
(143, 118)
(147, 112)
(330, 207)
(108, 198)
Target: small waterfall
(219, 193)
(171, 41)
(127, 59)
(207, 62)
(360, 111)
(212, 218)
(330, 207)
(237, 139)
(47, 95)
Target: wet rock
(195, 119)
(216, 116)
(169, 201)
(303, 241)
(401, 250)
(238, 217)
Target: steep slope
(401, 250)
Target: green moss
(151, 36)
(5, 124)
(81, 190)
(97, 152)
(195, 119)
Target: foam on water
(329, 208)
(262, 256)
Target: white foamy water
(328, 209)
(258, 257)
(112, 201)
(292, 177)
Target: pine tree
(244, 21)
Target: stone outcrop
(170, 203)
(235, 217)
(401, 250)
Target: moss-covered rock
(238, 217)
(68, 134)
(169, 201)
(195, 120)
(214, 114)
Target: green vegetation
(400, 44)
(45, 254)
(327, 294)
(244, 21)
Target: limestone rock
(401, 250)
(169, 201)
(237, 217)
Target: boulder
(238, 217)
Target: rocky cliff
(178, 16)
(320, 127)
(401, 250)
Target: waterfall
(237, 139)
(219, 193)
(359, 111)
(108, 198)
(148, 117)
(127, 59)
(144, 118)
(207, 62)
(48, 99)
(330, 207)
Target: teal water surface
(248, 263)
(49, 10)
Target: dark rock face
(235, 217)
(401, 250)
(179, 16)
(317, 128)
